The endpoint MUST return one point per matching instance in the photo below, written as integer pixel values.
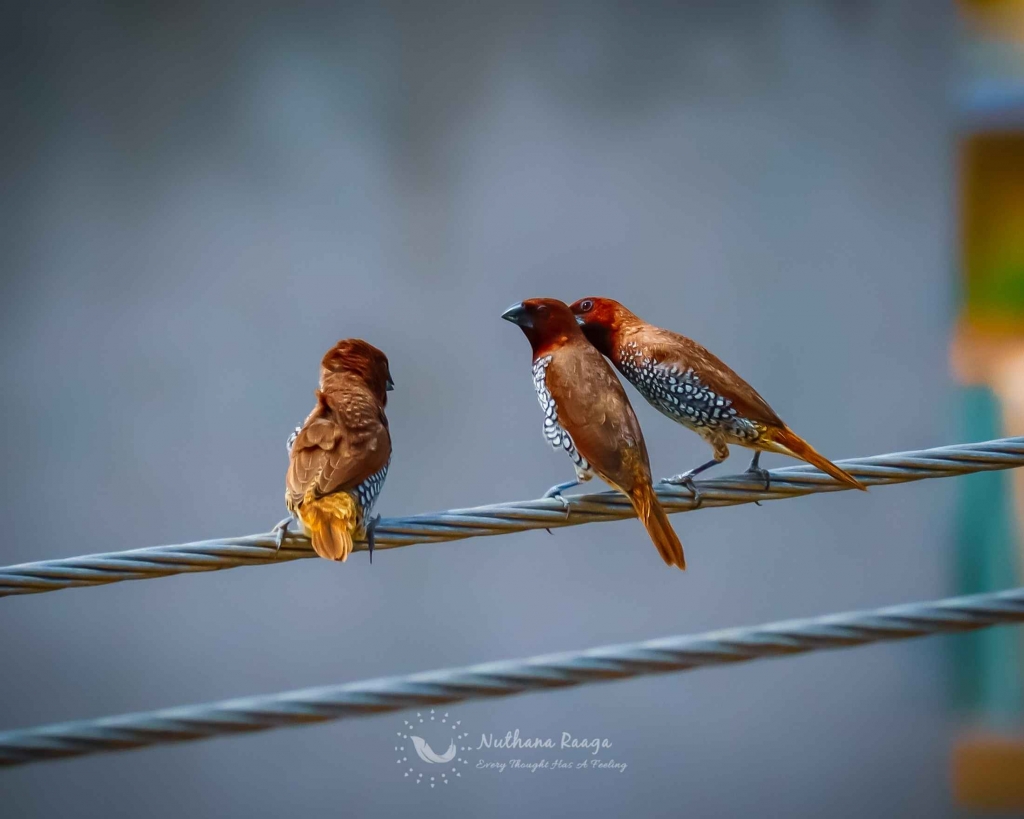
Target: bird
(587, 414)
(338, 459)
(686, 382)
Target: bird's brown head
(600, 319)
(353, 355)
(547, 323)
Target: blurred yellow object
(996, 19)
(988, 772)
(992, 218)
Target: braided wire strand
(500, 679)
(504, 518)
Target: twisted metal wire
(503, 518)
(509, 677)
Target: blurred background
(198, 199)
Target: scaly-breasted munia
(683, 380)
(587, 414)
(338, 459)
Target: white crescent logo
(426, 765)
(427, 754)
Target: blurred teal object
(988, 674)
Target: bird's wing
(594, 410)
(344, 441)
(670, 348)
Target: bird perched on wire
(587, 414)
(683, 380)
(338, 459)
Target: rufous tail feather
(789, 443)
(331, 522)
(654, 519)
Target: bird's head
(600, 319)
(545, 322)
(353, 355)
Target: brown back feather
(594, 410)
(344, 441)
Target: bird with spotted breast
(587, 414)
(686, 382)
(338, 459)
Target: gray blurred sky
(197, 201)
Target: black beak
(518, 314)
(390, 385)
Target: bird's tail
(654, 519)
(331, 522)
(789, 443)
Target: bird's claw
(558, 496)
(280, 531)
(371, 540)
(761, 474)
(555, 493)
(698, 496)
(686, 481)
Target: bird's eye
(587, 306)
(542, 308)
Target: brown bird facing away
(338, 459)
(587, 413)
(684, 381)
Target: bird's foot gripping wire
(280, 530)
(556, 493)
(686, 481)
(762, 474)
(371, 530)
